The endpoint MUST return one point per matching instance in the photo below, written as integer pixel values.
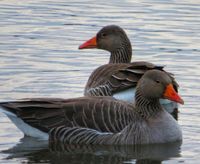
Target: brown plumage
(119, 74)
(47, 113)
(119, 77)
(102, 120)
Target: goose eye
(103, 35)
(157, 81)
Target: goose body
(119, 76)
(101, 120)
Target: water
(39, 57)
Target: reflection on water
(37, 151)
(39, 57)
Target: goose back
(104, 114)
(113, 78)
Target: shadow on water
(35, 151)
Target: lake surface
(39, 57)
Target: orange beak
(92, 43)
(172, 95)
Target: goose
(119, 77)
(102, 120)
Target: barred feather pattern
(119, 77)
(77, 135)
(114, 78)
(103, 114)
(146, 107)
(102, 90)
(123, 54)
(135, 132)
(130, 135)
(90, 120)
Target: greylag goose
(119, 77)
(102, 120)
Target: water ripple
(39, 54)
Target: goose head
(156, 84)
(109, 38)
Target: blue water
(39, 57)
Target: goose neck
(122, 54)
(146, 107)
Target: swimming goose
(102, 120)
(119, 77)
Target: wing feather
(104, 114)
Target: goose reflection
(34, 151)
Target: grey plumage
(103, 120)
(112, 78)
(119, 74)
